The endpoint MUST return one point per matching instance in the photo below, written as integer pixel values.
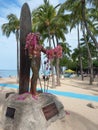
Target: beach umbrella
(69, 71)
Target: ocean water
(8, 73)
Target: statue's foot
(34, 95)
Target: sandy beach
(81, 114)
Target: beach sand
(79, 116)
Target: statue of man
(34, 49)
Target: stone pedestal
(24, 112)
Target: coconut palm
(74, 21)
(89, 57)
(80, 5)
(41, 20)
(12, 27)
(81, 18)
(58, 32)
(86, 25)
(48, 23)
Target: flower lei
(31, 42)
(54, 53)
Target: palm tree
(12, 27)
(74, 22)
(80, 5)
(81, 16)
(41, 20)
(48, 23)
(80, 54)
(85, 23)
(89, 57)
(58, 32)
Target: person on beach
(34, 49)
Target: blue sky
(8, 45)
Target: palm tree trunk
(57, 68)
(80, 58)
(89, 59)
(88, 31)
(52, 69)
(51, 61)
(58, 72)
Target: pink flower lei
(54, 53)
(31, 42)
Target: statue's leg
(33, 84)
(35, 66)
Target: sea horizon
(4, 73)
(8, 73)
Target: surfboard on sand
(25, 28)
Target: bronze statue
(34, 49)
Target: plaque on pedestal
(10, 112)
(50, 110)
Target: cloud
(8, 45)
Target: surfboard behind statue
(25, 28)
